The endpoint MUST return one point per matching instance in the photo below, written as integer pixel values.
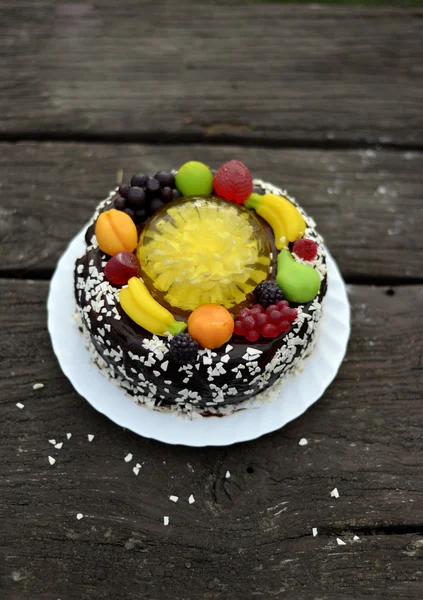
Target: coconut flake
(128, 457)
(51, 460)
(79, 516)
(136, 470)
(303, 442)
(59, 445)
(355, 538)
(340, 542)
(68, 435)
(38, 386)
(228, 474)
(314, 530)
(191, 499)
(52, 442)
(20, 405)
(334, 493)
(174, 498)
(90, 437)
(165, 521)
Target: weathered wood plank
(243, 70)
(250, 532)
(368, 205)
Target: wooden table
(325, 101)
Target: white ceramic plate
(297, 393)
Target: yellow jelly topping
(203, 250)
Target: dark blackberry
(136, 198)
(165, 179)
(153, 188)
(130, 212)
(124, 189)
(139, 180)
(120, 203)
(267, 293)
(156, 204)
(176, 194)
(167, 194)
(183, 348)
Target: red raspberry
(270, 331)
(233, 181)
(252, 335)
(261, 321)
(248, 323)
(305, 249)
(238, 328)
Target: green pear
(299, 283)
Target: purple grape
(139, 180)
(124, 189)
(165, 179)
(167, 194)
(130, 213)
(141, 215)
(153, 188)
(176, 194)
(136, 198)
(120, 203)
(156, 204)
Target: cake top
(209, 253)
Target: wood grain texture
(368, 205)
(257, 71)
(250, 532)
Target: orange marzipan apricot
(115, 232)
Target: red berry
(243, 313)
(289, 314)
(248, 322)
(252, 335)
(305, 249)
(256, 310)
(275, 317)
(284, 326)
(238, 328)
(270, 308)
(233, 181)
(282, 304)
(121, 267)
(261, 321)
(270, 331)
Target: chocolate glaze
(124, 346)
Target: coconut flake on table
(59, 445)
(174, 498)
(68, 435)
(51, 460)
(79, 516)
(340, 542)
(20, 405)
(38, 386)
(136, 470)
(227, 475)
(165, 521)
(303, 442)
(314, 531)
(90, 437)
(355, 538)
(128, 458)
(191, 499)
(52, 442)
(334, 493)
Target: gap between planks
(222, 139)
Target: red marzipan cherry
(233, 181)
(121, 267)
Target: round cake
(200, 289)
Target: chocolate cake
(218, 361)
